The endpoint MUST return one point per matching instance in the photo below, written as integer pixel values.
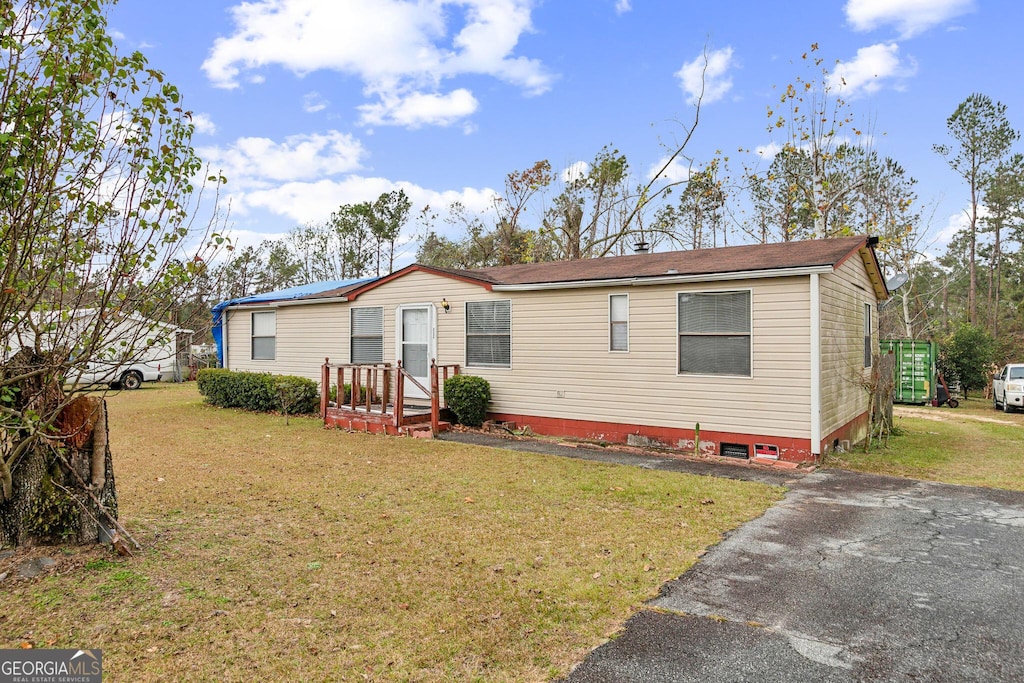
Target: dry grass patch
(298, 553)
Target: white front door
(415, 345)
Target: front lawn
(277, 552)
(973, 445)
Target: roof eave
(281, 303)
(461, 277)
(874, 270)
(638, 281)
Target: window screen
(618, 322)
(367, 335)
(714, 333)
(489, 334)
(264, 335)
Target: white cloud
(707, 73)
(910, 17)
(623, 6)
(675, 172)
(769, 151)
(957, 222)
(307, 177)
(315, 201)
(870, 69)
(418, 109)
(402, 51)
(203, 124)
(313, 102)
(574, 172)
(253, 162)
(116, 35)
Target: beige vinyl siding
(843, 295)
(418, 287)
(306, 334)
(560, 343)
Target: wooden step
(421, 430)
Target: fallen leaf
(597, 575)
(469, 500)
(403, 605)
(648, 567)
(25, 645)
(707, 501)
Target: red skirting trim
(854, 431)
(791, 450)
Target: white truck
(126, 376)
(1008, 388)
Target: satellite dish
(897, 281)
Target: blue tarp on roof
(280, 295)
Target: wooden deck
(367, 404)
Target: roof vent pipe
(640, 248)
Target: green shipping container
(914, 369)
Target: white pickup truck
(128, 376)
(1008, 387)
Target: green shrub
(346, 394)
(212, 383)
(259, 392)
(467, 396)
(297, 395)
(347, 398)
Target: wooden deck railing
(371, 389)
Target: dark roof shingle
(747, 257)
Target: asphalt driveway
(851, 578)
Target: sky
(305, 105)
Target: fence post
(399, 395)
(371, 380)
(354, 394)
(435, 416)
(325, 387)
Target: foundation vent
(734, 450)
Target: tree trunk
(906, 314)
(972, 291)
(63, 487)
(997, 258)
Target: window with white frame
(618, 322)
(366, 335)
(867, 336)
(714, 333)
(489, 334)
(264, 335)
